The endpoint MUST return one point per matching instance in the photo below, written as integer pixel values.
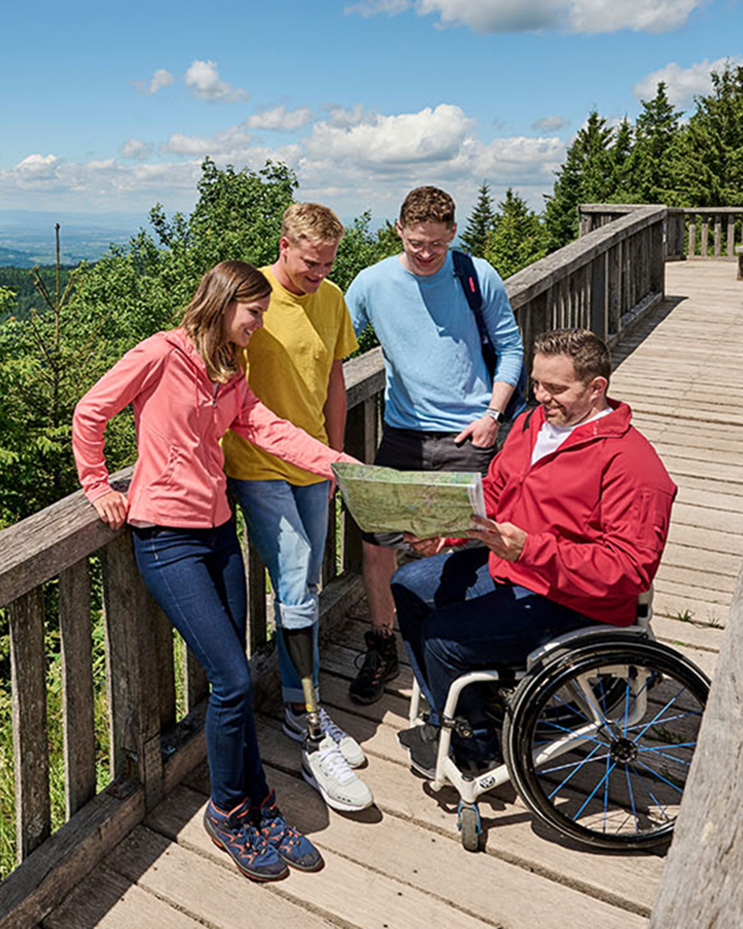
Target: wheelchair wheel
(600, 742)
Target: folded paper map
(423, 503)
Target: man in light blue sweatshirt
(442, 409)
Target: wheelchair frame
(614, 741)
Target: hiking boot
(234, 833)
(295, 848)
(325, 768)
(422, 743)
(295, 726)
(379, 665)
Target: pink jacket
(596, 512)
(180, 416)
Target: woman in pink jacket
(187, 390)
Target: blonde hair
(589, 354)
(313, 222)
(203, 319)
(427, 205)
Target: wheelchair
(597, 735)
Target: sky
(112, 107)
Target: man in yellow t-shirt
(295, 366)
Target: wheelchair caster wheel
(470, 827)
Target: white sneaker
(295, 726)
(326, 769)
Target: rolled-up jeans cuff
(297, 617)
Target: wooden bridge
(136, 854)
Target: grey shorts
(412, 450)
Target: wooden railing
(605, 281)
(691, 232)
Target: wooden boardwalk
(400, 865)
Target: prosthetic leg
(299, 644)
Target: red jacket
(596, 513)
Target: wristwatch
(497, 415)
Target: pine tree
(653, 164)
(621, 156)
(710, 163)
(479, 223)
(585, 177)
(517, 238)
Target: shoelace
(330, 727)
(335, 764)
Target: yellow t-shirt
(288, 366)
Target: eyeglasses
(416, 247)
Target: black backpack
(464, 269)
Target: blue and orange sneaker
(235, 834)
(293, 847)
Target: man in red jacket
(578, 506)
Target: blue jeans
(454, 618)
(197, 578)
(288, 525)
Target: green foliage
(587, 176)
(40, 363)
(652, 175)
(710, 161)
(479, 224)
(517, 237)
(24, 295)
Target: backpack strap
(464, 269)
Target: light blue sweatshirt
(437, 380)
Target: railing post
(131, 615)
(77, 686)
(28, 707)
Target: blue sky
(112, 107)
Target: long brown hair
(204, 316)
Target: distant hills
(27, 237)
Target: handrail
(719, 228)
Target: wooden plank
(255, 572)
(28, 708)
(77, 686)
(625, 881)
(134, 696)
(109, 901)
(201, 881)
(414, 860)
(696, 890)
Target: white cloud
(281, 119)
(639, 15)
(352, 159)
(231, 140)
(136, 149)
(550, 123)
(371, 7)
(161, 78)
(682, 84)
(202, 78)
(588, 16)
(345, 118)
(427, 136)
